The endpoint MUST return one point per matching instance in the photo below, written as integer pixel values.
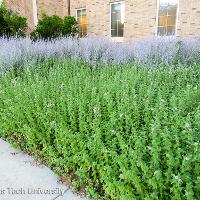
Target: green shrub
(51, 27)
(125, 132)
(70, 26)
(11, 24)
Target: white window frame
(78, 9)
(157, 20)
(116, 39)
(35, 12)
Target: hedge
(12, 24)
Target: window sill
(117, 39)
(166, 36)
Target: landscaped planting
(121, 130)
(19, 53)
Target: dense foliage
(124, 131)
(11, 24)
(20, 53)
(51, 27)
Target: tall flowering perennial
(122, 130)
(18, 53)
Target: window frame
(80, 9)
(116, 39)
(35, 12)
(157, 20)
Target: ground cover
(123, 130)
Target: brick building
(120, 20)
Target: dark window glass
(117, 19)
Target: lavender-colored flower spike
(15, 52)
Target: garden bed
(118, 121)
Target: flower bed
(122, 131)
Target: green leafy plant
(121, 131)
(70, 26)
(51, 27)
(11, 24)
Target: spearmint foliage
(94, 51)
(125, 131)
(122, 130)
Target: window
(82, 21)
(117, 19)
(167, 16)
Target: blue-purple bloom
(154, 52)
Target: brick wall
(51, 7)
(141, 19)
(24, 8)
(78, 4)
(98, 17)
(140, 15)
(189, 18)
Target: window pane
(83, 12)
(162, 21)
(120, 32)
(163, 10)
(171, 20)
(114, 33)
(167, 17)
(170, 30)
(117, 19)
(118, 15)
(78, 13)
(161, 31)
(114, 25)
(120, 25)
(116, 7)
(114, 17)
(84, 29)
(172, 10)
(82, 22)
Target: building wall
(188, 18)
(77, 4)
(141, 19)
(98, 17)
(24, 8)
(51, 7)
(140, 15)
